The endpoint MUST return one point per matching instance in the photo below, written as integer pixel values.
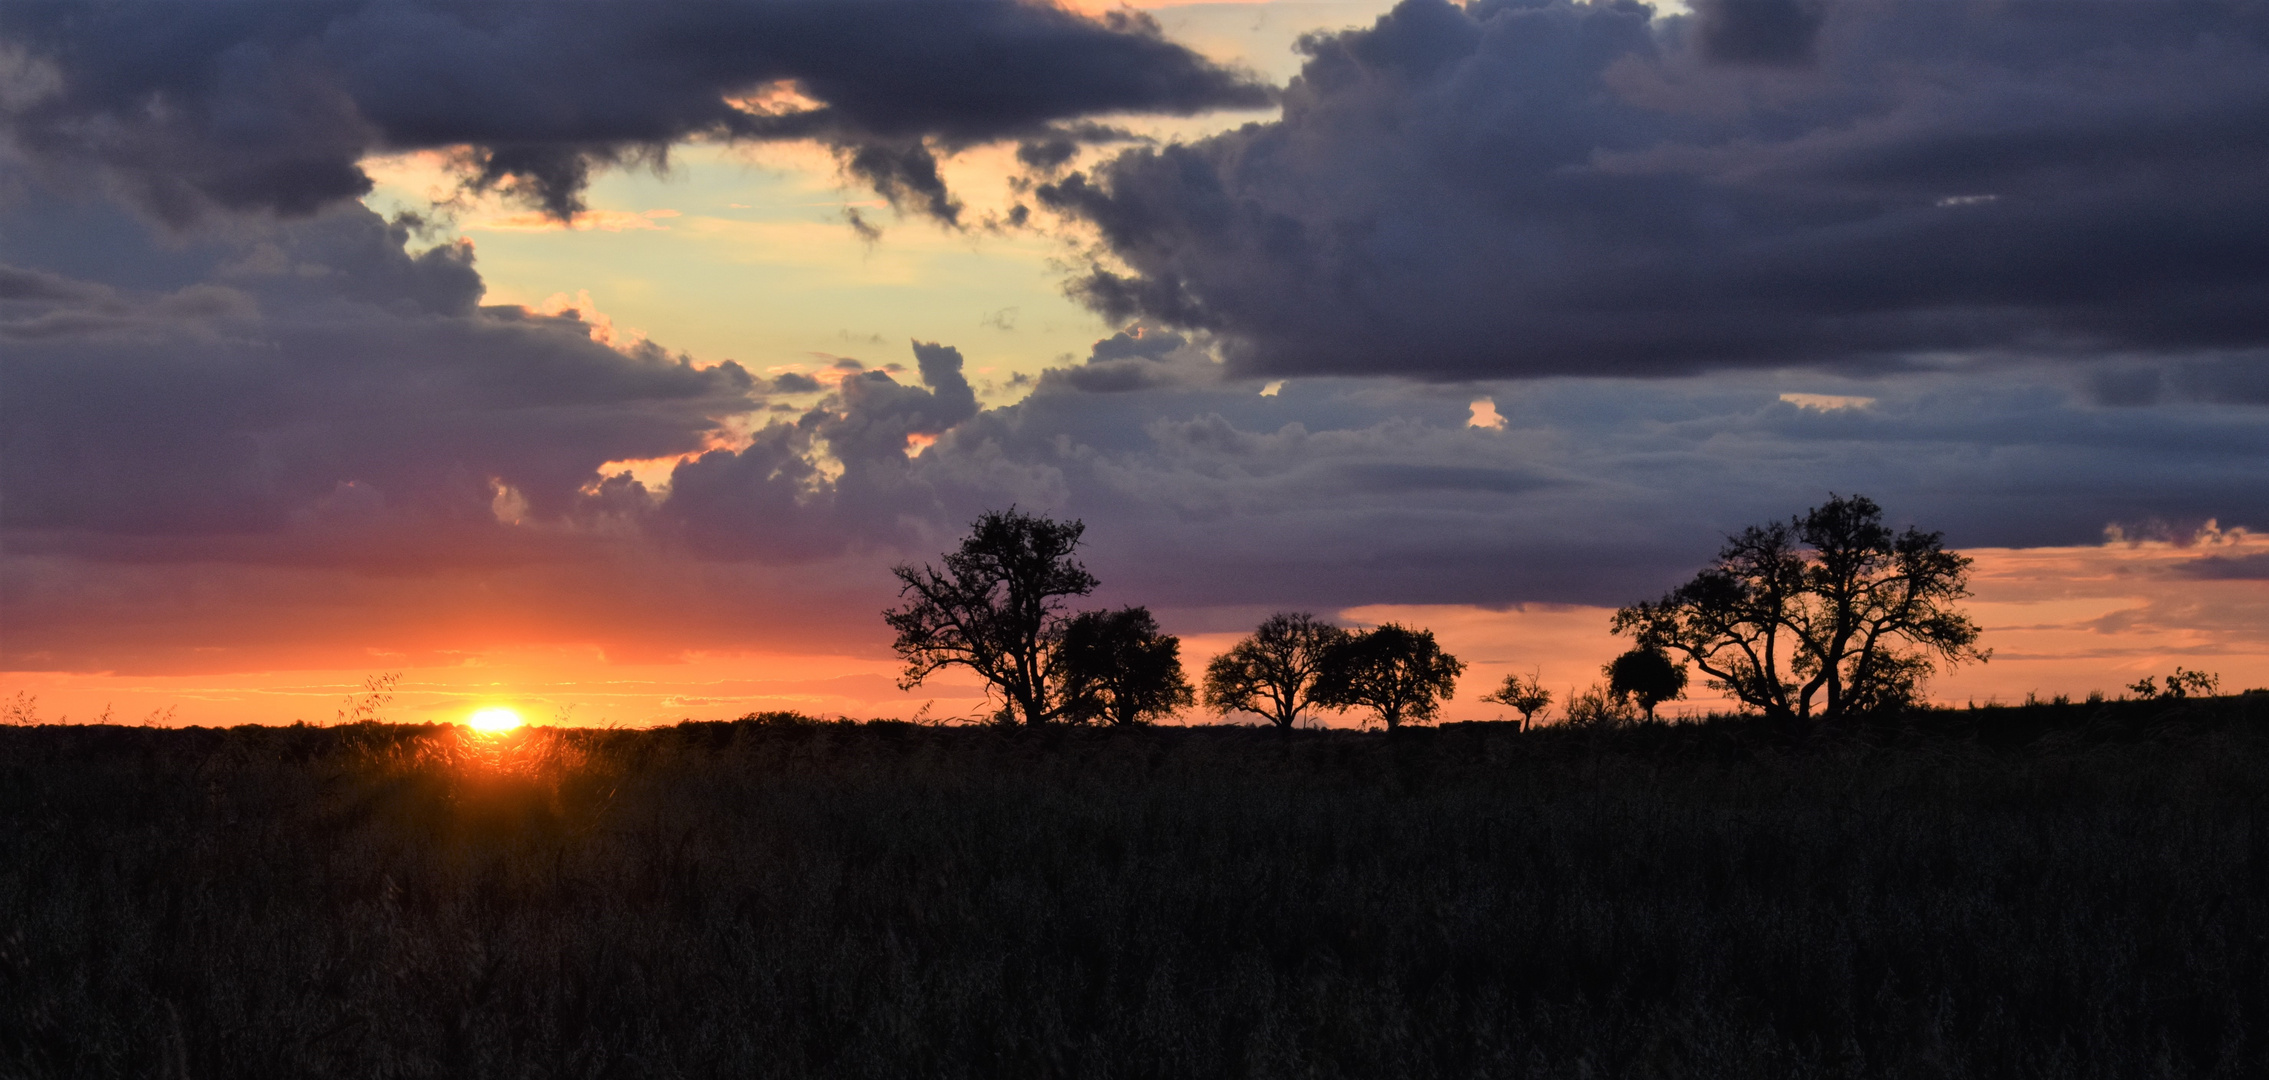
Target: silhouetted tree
(1273, 672)
(1524, 694)
(2182, 684)
(1830, 607)
(994, 609)
(1398, 673)
(1118, 668)
(1646, 676)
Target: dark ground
(2070, 891)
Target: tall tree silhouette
(1398, 673)
(1118, 668)
(1828, 614)
(995, 608)
(1273, 672)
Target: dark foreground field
(2055, 892)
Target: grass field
(2052, 891)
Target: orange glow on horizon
(494, 720)
(2064, 620)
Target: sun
(494, 719)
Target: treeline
(1826, 615)
(997, 607)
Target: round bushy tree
(1648, 677)
(1398, 673)
(1118, 668)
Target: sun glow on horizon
(494, 719)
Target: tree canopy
(1648, 677)
(1273, 672)
(1398, 673)
(1828, 614)
(995, 608)
(1118, 668)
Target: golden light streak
(1828, 402)
(604, 220)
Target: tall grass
(2067, 892)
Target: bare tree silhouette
(1524, 694)
(1830, 612)
(995, 609)
(1273, 672)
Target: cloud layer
(1534, 187)
(311, 439)
(313, 392)
(1646, 281)
(270, 104)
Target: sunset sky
(601, 359)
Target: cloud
(291, 443)
(1137, 358)
(1523, 188)
(270, 104)
(1340, 491)
(1761, 32)
(2227, 568)
(836, 477)
(316, 392)
(331, 396)
(36, 305)
(1827, 402)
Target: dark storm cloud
(1200, 492)
(1758, 31)
(316, 392)
(2227, 568)
(1055, 148)
(314, 402)
(1529, 187)
(907, 175)
(36, 305)
(1339, 492)
(1136, 359)
(270, 104)
(773, 499)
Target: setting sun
(495, 718)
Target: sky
(602, 359)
